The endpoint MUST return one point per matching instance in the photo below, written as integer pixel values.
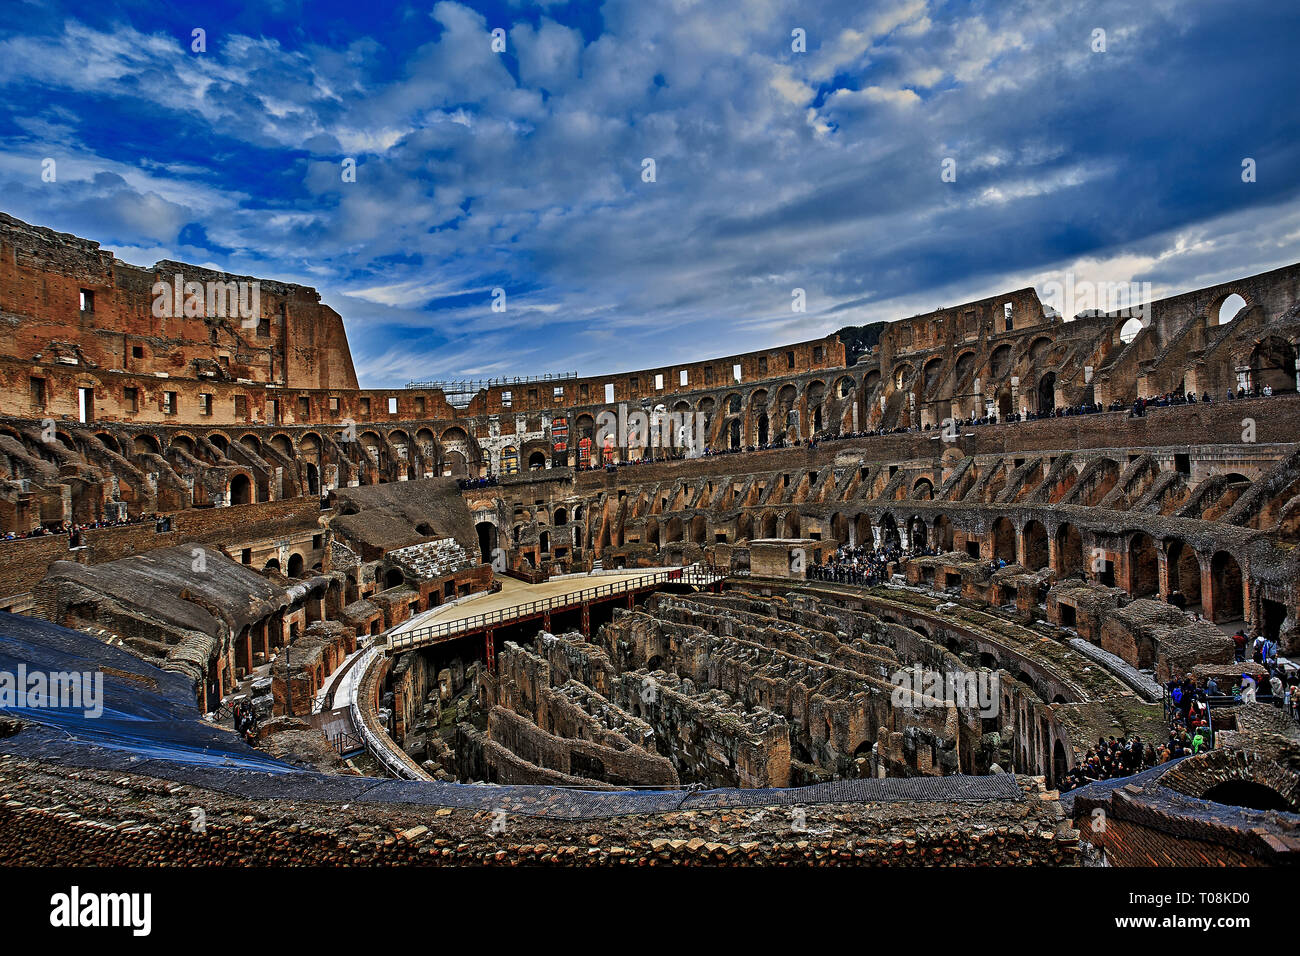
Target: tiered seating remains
(432, 559)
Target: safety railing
(695, 575)
(346, 744)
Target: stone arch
(240, 489)
(790, 525)
(1069, 550)
(699, 529)
(1272, 362)
(146, 444)
(1004, 540)
(673, 530)
(109, 441)
(931, 375)
(1227, 601)
(889, 536)
(839, 526)
(295, 565)
(923, 489)
(1215, 314)
(1037, 552)
(999, 361)
(964, 365)
(1144, 565)
(487, 540)
(1184, 570)
(814, 397)
(942, 533)
(1047, 394)
(283, 444)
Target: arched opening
(1229, 308)
(1036, 547)
(146, 445)
(1000, 362)
(544, 542)
(313, 479)
(1069, 551)
(1059, 766)
(839, 529)
(454, 465)
(1247, 793)
(1130, 330)
(241, 490)
(1272, 364)
(917, 533)
(561, 516)
(942, 533)
(295, 565)
(1226, 580)
(792, 524)
(393, 578)
(699, 529)
(1144, 566)
(1004, 540)
(889, 537)
(762, 428)
(1184, 576)
(769, 525)
(487, 540)
(733, 434)
(923, 490)
(1047, 394)
(862, 531)
(536, 461)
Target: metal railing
(700, 575)
(346, 744)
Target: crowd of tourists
(862, 565)
(1280, 684)
(246, 722)
(1112, 758)
(487, 481)
(74, 528)
(1140, 405)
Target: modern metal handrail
(694, 575)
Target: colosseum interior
(870, 598)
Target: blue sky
(775, 169)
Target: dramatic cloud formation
(774, 169)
